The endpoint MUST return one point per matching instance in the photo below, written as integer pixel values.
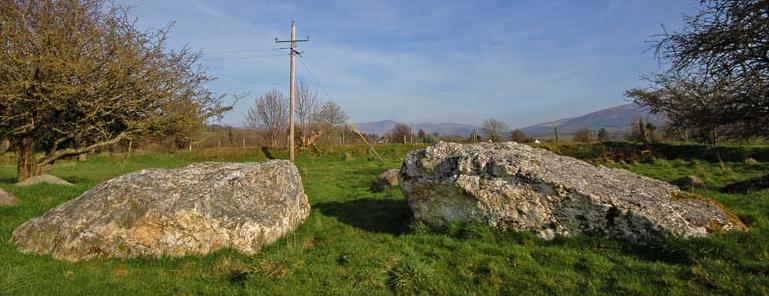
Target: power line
(241, 57)
(320, 85)
(239, 51)
(348, 123)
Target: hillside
(446, 128)
(614, 119)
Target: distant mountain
(446, 128)
(614, 120)
(376, 127)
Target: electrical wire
(239, 51)
(241, 57)
(307, 69)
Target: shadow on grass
(370, 214)
(76, 179)
(671, 250)
(267, 153)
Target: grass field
(359, 242)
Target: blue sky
(523, 62)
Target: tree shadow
(76, 179)
(267, 153)
(370, 214)
(670, 249)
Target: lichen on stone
(510, 185)
(195, 209)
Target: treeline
(318, 121)
(221, 136)
(314, 117)
(494, 130)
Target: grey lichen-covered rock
(387, 179)
(515, 186)
(753, 184)
(43, 179)
(688, 182)
(7, 199)
(196, 209)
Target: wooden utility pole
(411, 133)
(556, 133)
(291, 90)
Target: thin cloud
(522, 62)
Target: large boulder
(7, 199)
(753, 184)
(43, 179)
(387, 179)
(196, 209)
(689, 182)
(515, 186)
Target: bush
(583, 135)
(519, 136)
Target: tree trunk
(310, 141)
(303, 138)
(26, 160)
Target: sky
(522, 62)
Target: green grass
(359, 242)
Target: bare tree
(331, 114)
(328, 116)
(603, 135)
(307, 107)
(422, 136)
(651, 128)
(583, 135)
(641, 131)
(519, 136)
(269, 115)
(494, 129)
(688, 104)
(79, 75)
(400, 133)
(718, 75)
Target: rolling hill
(447, 128)
(615, 120)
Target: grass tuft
(410, 276)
